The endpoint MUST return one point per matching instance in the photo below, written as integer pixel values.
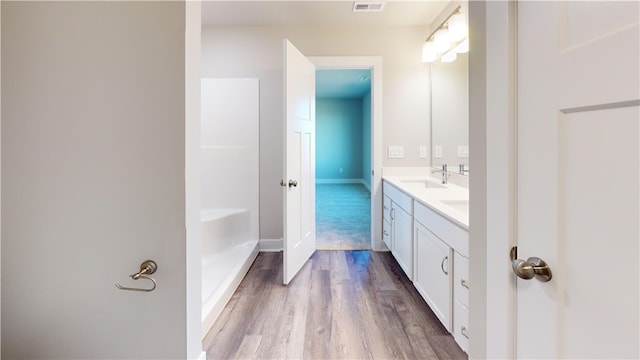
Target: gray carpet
(343, 217)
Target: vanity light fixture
(463, 47)
(450, 56)
(457, 27)
(429, 53)
(448, 39)
(441, 40)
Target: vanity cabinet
(433, 272)
(442, 270)
(400, 226)
(433, 251)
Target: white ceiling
(322, 13)
(317, 13)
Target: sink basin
(426, 183)
(459, 205)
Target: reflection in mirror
(450, 113)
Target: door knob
(291, 183)
(533, 267)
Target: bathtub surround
(229, 163)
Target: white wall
(257, 52)
(192, 178)
(93, 180)
(492, 151)
(0, 184)
(367, 135)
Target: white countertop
(441, 200)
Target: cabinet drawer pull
(464, 283)
(463, 331)
(393, 214)
(442, 265)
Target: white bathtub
(228, 250)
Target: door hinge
(513, 253)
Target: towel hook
(147, 267)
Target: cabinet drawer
(461, 325)
(452, 234)
(386, 233)
(386, 208)
(461, 278)
(397, 196)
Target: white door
(578, 178)
(299, 179)
(93, 180)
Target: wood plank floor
(342, 305)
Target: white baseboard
(344, 181)
(340, 181)
(270, 245)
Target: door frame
(493, 145)
(374, 63)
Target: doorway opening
(348, 131)
(343, 159)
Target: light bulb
(451, 56)
(457, 27)
(429, 53)
(441, 40)
(463, 47)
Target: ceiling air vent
(360, 6)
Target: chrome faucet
(445, 174)
(462, 169)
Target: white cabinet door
(403, 239)
(432, 277)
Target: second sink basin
(460, 205)
(426, 183)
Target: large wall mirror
(450, 113)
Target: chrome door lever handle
(533, 267)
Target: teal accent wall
(339, 139)
(366, 139)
